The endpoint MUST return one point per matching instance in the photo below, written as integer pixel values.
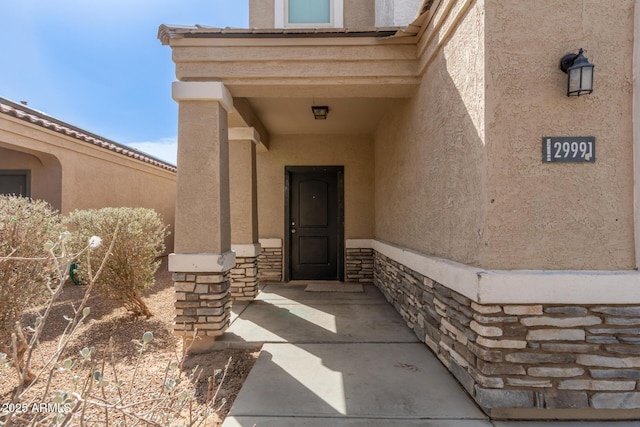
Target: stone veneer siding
(270, 264)
(359, 266)
(245, 278)
(522, 356)
(202, 303)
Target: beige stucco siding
(355, 153)
(204, 147)
(558, 216)
(459, 171)
(429, 153)
(242, 192)
(359, 13)
(83, 176)
(261, 14)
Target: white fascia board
(246, 250)
(583, 287)
(456, 276)
(559, 287)
(202, 91)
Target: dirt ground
(108, 320)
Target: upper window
(308, 13)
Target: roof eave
(39, 118)
(168, 32)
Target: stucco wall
(359, 13)
(203, 220)
(261, 14)
(243, 192)
(429, 154)
(355, 153)
(459, 170)
(91, 177)
(558, 216)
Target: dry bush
(93, 391)
(132, 263)
(25, 227)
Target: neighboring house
(46, 158)
(429, 177)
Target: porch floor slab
(346, 360)
(378, 381)
(288, 314)
(340, 358)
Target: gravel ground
(108, 320)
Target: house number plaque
(569, 149)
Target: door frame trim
(288, 170)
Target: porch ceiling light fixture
(320, 112)
(580, 73)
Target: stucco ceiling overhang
(266, 63)
(276, 75)
(282, 72)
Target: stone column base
(245, 278)
(203, 300)
(270, 260)
(203, 304)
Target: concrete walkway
(345, 359)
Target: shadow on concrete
(335, 356)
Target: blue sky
(97, 64)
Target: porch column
(244, 212)
(203, 259)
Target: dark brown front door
(315, 223)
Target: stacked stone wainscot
(245, 278)
(203, 303)
(270, 260)
(535, 356)
(359, 265)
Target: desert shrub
(26, 226)
(132, 262)
(90, 386)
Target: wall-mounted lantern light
(320, 112)
(580, 73)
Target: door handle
(293, 231)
